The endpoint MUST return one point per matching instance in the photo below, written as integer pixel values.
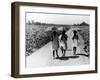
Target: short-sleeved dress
(63, 42)
(75, 41)
(55, 42)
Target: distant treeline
(82, 24)
(41, 23)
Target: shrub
(85, 35)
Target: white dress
(62, 43)
(75, 43)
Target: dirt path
(43, 57)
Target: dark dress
(55, 42)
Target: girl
(55, 44)
(75, 39)
(63, 43)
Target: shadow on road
(83, 55)
(67, 57)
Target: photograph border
(15, 32)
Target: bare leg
(57, 53)
(64, 53)
(53, 54)
(74, 50)
(62, 49)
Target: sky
(57, 18)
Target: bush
(86, 38)
(36, 40)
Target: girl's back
(55, 41)
(75, 37)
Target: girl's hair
(54, 33)
(63, 32)
(74, 32)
